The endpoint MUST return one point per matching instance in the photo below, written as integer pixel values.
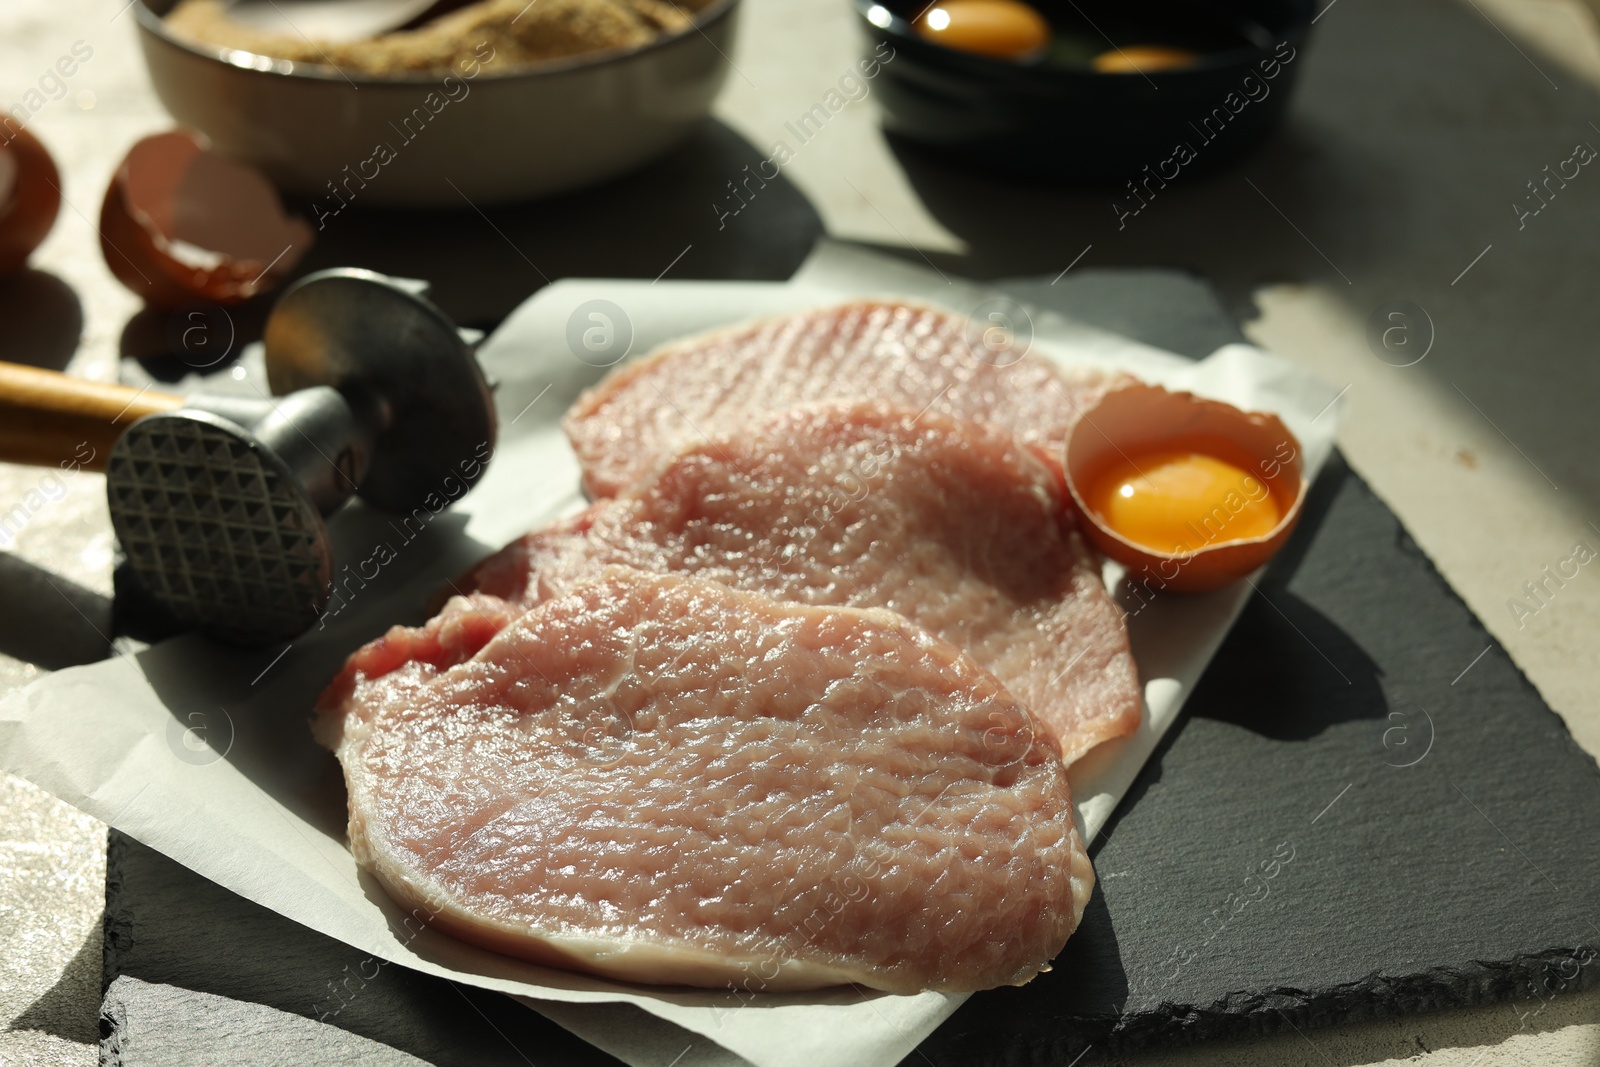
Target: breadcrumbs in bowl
(513, 33)
(472, 107)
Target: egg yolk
(1139, 58)
(1003, 29)
(1181, 502)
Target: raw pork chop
(949, 523)
(665, 780)
(918, 357)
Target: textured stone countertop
(1417, 123)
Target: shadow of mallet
(219, 502)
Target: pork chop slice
(909, 354)
(949, 523)
(665, 780)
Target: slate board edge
(1278, 1011)
(116, 938)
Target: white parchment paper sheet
(203, 752)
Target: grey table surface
(1416, 125)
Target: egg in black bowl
(1086, 91)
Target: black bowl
(1064, 120)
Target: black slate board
(1460, 878)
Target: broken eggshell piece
(180, 224)
(30, 196)
(1148, 421)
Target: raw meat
(949, 523)
(455, 634)
(661, 779)
(916, 356)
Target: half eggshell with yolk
(1144, 421)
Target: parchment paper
(203, 752)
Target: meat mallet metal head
(219, 504)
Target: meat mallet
(219, 501)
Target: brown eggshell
(30, 196)
(1144, 418)
(180, 224)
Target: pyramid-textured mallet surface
(216, 529)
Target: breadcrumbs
(515, 32)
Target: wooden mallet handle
(50, 419)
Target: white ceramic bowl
(497, 137)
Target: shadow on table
(49, 620)
(66, 1008)
(199, 338)
(43, 319)
(662, 220)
